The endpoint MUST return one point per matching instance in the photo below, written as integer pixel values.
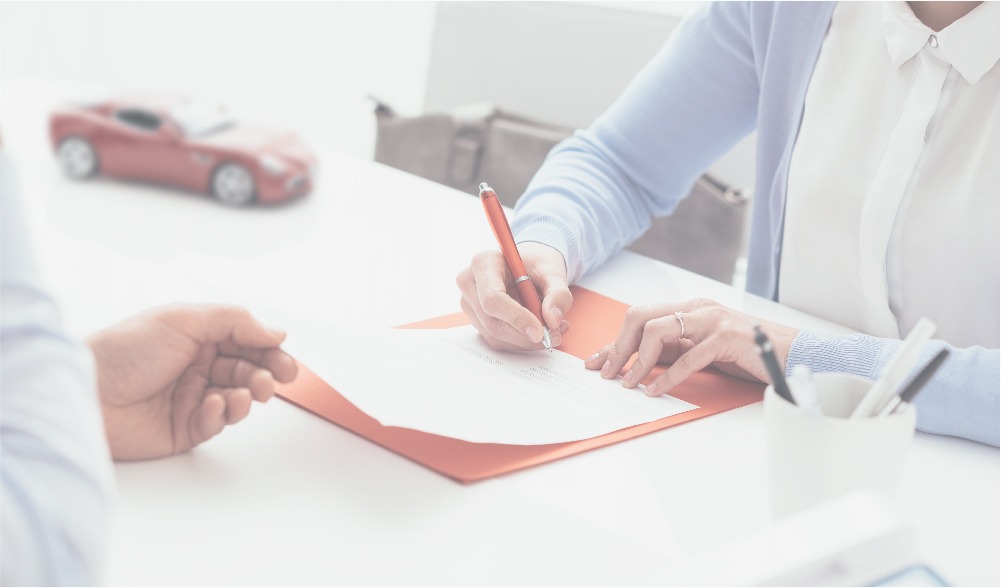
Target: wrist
(827, 352)
(552, 232)
(95, 344)
(537, 253)
(784, 347)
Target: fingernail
(564, 327)
(627, 379)
(531, 332)
(605, 368)
(557, 314)
(651, 390)
(591, 359)
(555, 340)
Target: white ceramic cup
(813, 459)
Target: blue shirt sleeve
(961, 400)
(696, 99)
(55, 468)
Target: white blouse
(894, 186)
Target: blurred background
(315, 68)
(306, 66)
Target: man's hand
(714, 334)
(172, 377)
(490, 298)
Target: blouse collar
(971, 44)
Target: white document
(450, 382)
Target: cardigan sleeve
(961, 400)
(698, 97)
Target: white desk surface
(288, 498)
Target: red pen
(502, 230)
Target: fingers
(208, 419)
(238, 401)
(508, 339)
(221, 406)
(213, 323)
(672, 351)
(656, 334)
(279, 363)
(487, 297)
(556, 301)
(230, 372)
(697, 358)
(501, 319)
(491, 293)
(614, 356)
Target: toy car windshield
(199, 120)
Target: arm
(169, 379)
(597, 190)
(55, 471)
(961, 400)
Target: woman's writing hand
(490, 298)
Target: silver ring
(677, 315)
(522, 279)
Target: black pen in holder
(767, 353)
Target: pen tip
(546, 340)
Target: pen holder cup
(812, 459)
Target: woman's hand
(714, 334)
(173, 377)
(490, 298)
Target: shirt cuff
(551, 231)
(858, 355)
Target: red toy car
(171, 140)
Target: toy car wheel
(233, 185)
(77, 158)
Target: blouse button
(932, 41)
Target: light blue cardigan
(730, 68)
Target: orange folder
(595, 321)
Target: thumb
(556, 301)
(214, 323)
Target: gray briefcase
(482, 143)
